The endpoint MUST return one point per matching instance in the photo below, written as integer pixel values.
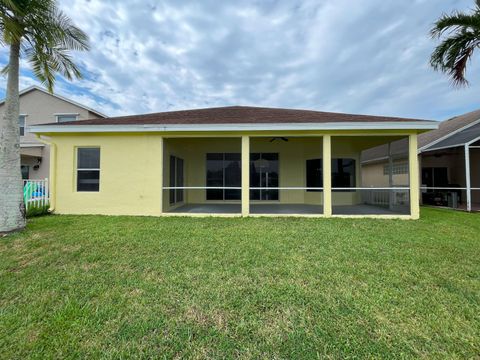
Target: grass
(121, 287)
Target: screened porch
(285, 176)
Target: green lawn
(117, 287)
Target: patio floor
(286, 209)
(362, 209)
(461, 207)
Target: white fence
(35, 193)
(385, 196)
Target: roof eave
(401, 125)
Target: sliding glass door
(224, 171)
(176, 179)
(263, 176)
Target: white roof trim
(401, 125)
(473, 141)
(35, 87)
(473, 123)
(443, 147)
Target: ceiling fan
(279, 138)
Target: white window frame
(66, 114)
(77, 169)
(24, 124)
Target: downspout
(53, 170)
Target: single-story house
(230, 161)
(449, 160)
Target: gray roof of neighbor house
(453, 132)
(460, 138)
(237, 118)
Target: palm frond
(46, 36)
(67, 34)
(452, 55)
(454, 22)
(4, 71)
(12, 29)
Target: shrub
(37, 210)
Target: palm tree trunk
(12, 208)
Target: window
(224, 170)
(397, 169)
(66, 117)
(314, 174)
(88, 169)
(343, 173)
(435, 177)
(264, 175)
(176, 179)
(25, 172)
(21, 124)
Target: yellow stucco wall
(373, 175)
(131, 168)
(129, 175)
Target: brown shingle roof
(236, 115)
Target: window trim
(77, 169)
(57, 115)
(24, 124)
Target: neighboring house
(449, 159)
(230, 161)
(38, 106)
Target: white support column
(468, 178)
(245, 175)
(327, 175)
(162, 167)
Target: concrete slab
(288, 209)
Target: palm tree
(39, 32)
(460, 34)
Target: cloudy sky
(368, 56)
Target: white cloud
(366, 56)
